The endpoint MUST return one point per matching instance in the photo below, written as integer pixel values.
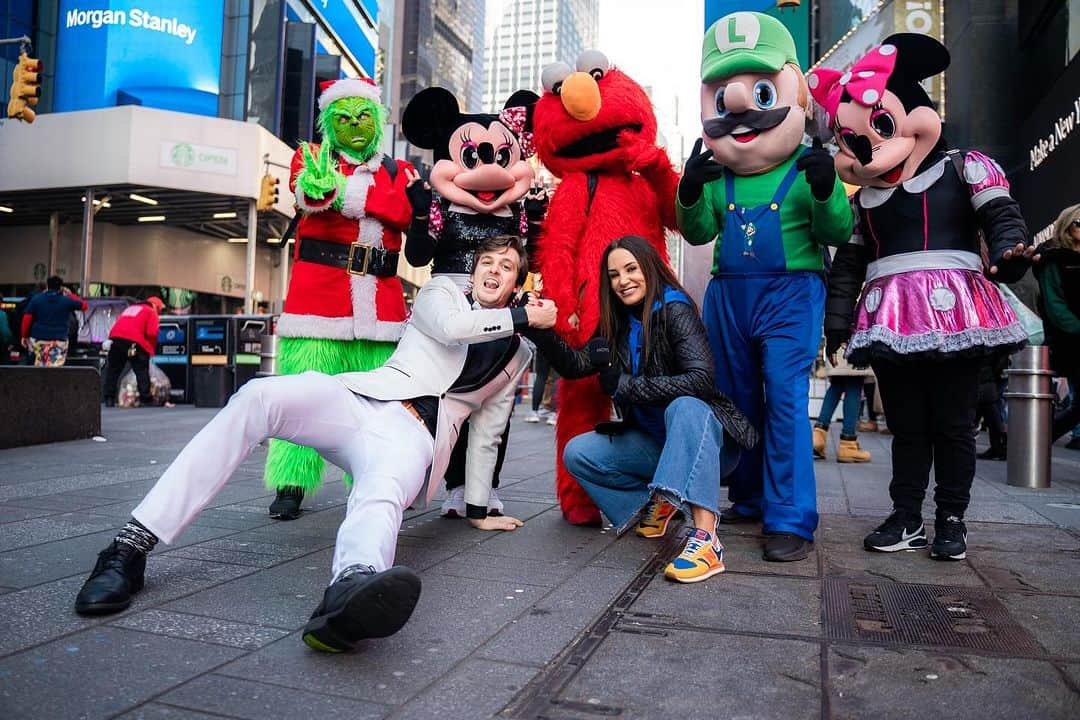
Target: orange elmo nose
(581, 96)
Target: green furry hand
(320, 176)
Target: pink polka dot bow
(516, 119)
(864, 82)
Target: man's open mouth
(893, 175)
(597, 143)
(491, 284)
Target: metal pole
(1030, 418)
(54, 240)
(284, 271)
(87, 242)
(249, 266)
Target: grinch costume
(345, 308)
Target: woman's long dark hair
(614, 314)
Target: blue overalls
(764, 325)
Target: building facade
(531, 34)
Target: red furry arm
(656, 168)
(558, 256)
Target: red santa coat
(327, 302)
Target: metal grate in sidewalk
(936, 615)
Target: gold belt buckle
(352, 254)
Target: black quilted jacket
(680, 363)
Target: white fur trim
(356, 192)
(292, 325)
(370, 232)
(348, 87)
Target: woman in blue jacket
(676, 436)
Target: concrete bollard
(267, 355)
(1031, 418)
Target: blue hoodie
(650, 418)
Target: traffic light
(268, 192)
(25, 89)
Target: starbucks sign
(182, 155)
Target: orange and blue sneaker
(655, 519)
(702, 558)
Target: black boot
(362, 605)
(117, 576)
(786, 547)
(286, 505)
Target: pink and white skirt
(931, 313)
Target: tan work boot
(848, 451)
(820, 436)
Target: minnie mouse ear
(429, 117)
(917, 56)
(526, 99)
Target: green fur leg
(289, 464)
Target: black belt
(355, 259)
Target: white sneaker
(552, 418)
(454, 505)
(532, 417)
(495, 506)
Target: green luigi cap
(745, 42)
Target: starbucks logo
(183, 155)
(226, 284)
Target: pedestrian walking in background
(989, 408)
(677, 435)
(847, 381)
(134, 339)
(45, 323)
(6, 338)
(1058, 272)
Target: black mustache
(753, 119)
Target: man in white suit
(459, 357)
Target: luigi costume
(771, 204)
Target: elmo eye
(593, 62)
(764, 94)
(721, 109)
(552, 76)
(883, 123)
(502, 157)
(469, 157)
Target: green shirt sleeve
(1057, 310)
(832, 221)
(698, 223)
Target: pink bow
(864, 82)
(516, 118)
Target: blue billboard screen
(158, 53)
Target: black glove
(536, 204)
(419, 194)
(599, 352)
(698, 170)
(833, 340)
(820, 171)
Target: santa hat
(347, 87)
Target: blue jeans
(851, 387)
(621, 472)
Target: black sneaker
(950, 539)
(362, 605)
(286, 505)
(994, 453)
(117, 576)
(900, 531)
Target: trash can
(246, 354)
(1031, 418)
(212, 378)
(172, 356)
(267, 356)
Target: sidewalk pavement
(551, 621)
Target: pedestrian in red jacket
(134, 340)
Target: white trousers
(381, 444)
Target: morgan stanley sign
(157, 53)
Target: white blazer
(429, 358)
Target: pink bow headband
(864, 82)
(516, 118)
